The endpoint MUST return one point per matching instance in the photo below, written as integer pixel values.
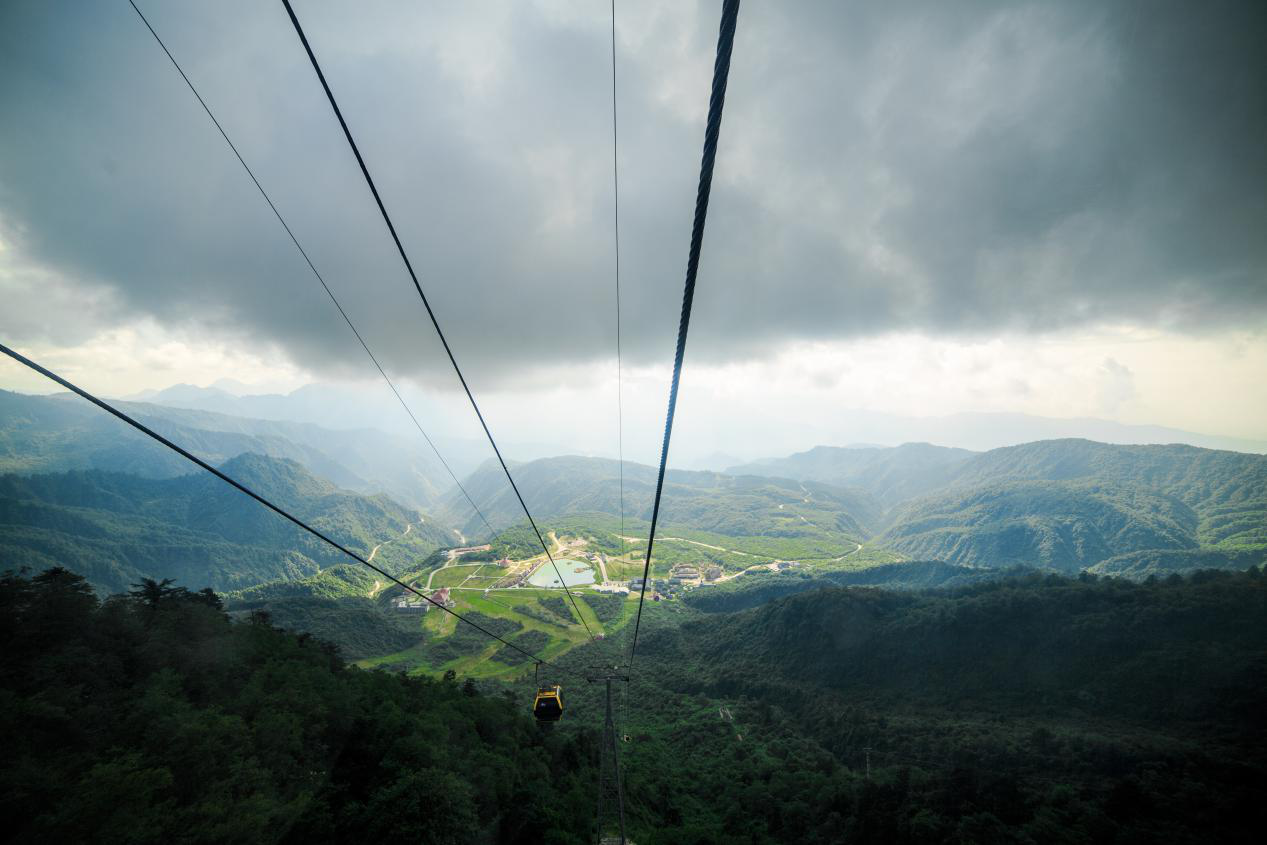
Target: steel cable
(312, 267)
(717, 100)
(391, 228)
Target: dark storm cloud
(944, 167)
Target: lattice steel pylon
(610, 822)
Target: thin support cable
(232, 482)
(311, 266)
(620, 401)
(721, 71)
(347, 133)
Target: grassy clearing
(521, 606)
(553, 620)
(452, 576)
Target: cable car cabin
(548, 706)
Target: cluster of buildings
(681, 577)
(410, 603)
(684, 576)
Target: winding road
(379, 585)
(409, 526)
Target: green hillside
(1064, 526)
(116, 528)
(1063, 504)
(705, 501)
(1034, 710)
(1227, 490)
(1157, 563)
(891, 475)
(1103, 645)
(762, 588)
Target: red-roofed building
(442, 598)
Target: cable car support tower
(611, 793)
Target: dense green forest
(1065, 526)
(1031, 710)
(1028, 709)
(153, 718)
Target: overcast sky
(919, 208)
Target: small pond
(574, 572)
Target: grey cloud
(950, 168)
(1116, 385)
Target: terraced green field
(544, 623)
(524, 611)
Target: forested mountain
(1227, 490)
(345, 604)
(1039, 709)
(1063, 504)
(156, 720)
(904, 576)
(1052, 525)
(1003, 643)
(1060, 504)
(115, 528)
(1163, 562)
(892, 475)
(62, 432)
(706, 501)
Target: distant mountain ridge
(978, 431)
(1065, 505)
(61, 432)
(347, 408)
(1061, 504)
(324, 405)
(1045, 524)
(706, 501)
(115, 528)
(891, 474)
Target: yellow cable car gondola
(548, 706)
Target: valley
(827, 647)
(909, 517)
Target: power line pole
(610, 790)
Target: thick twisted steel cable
(716, 102)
